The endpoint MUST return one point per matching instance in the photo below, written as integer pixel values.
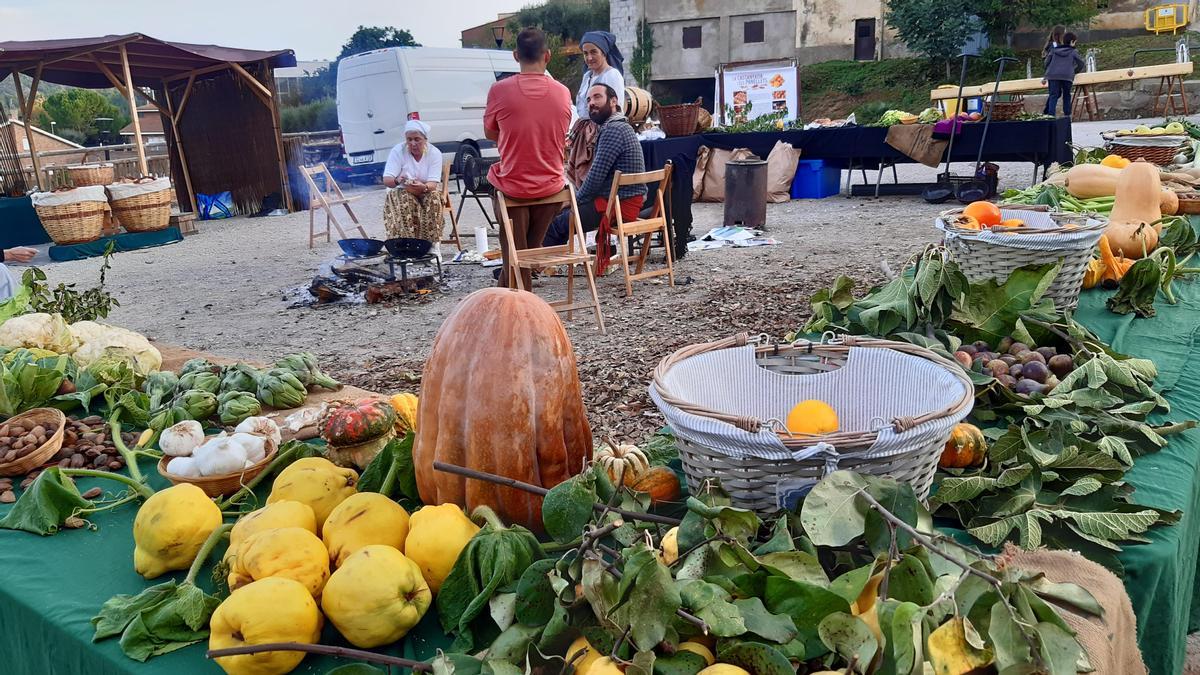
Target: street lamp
(104, 131)
(498, 34)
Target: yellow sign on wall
(1166, 18)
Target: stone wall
(623, 19)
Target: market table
(52, 586)
(19, 224)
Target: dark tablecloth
(126, 241)
(19, 224)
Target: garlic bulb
(184, 467)
(219, 456)
(262, 426)
(181, 439)
(255, 445)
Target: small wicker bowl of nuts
(29, 440)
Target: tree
(78, 109)
(936, 28)
(563, 22)
(1002, 17)
(643, 55)
(367, 38)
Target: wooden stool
(1085, 99)
(1170, 86)
(186, 222)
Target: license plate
(361, 159)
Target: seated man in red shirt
(528, 115)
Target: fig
(1061, 364)
(1030, 357)
(1026, 386)
(1008, 381)
(1036, 371)
(964, 359)
(1047, 352)
(1016, 369)
(970, 349)
(1008, 358)
(1017, 348)
(981, 346)
(1005, 344)
(997, 367)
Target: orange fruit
(812, 417)
(987, 213)
(1012, 222)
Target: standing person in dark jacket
(617, 149)
(1061, 64)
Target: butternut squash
(1086, 181)
(1133, 224)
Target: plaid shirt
(617, 149)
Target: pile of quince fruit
(1172, 129)
(318, 550)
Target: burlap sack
(1109, 641)
(714, 175)
(698, 174)
(781, 169)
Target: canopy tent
(217, 102)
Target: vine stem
(324, 650)
(205, 549)
(1077, 343)
(527, 487)
(114, 430)
(136, 486)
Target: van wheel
(464, 149)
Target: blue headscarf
(607, 42)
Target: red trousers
(631, 209)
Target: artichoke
(235, 406)
(204, 381)
(167, 416)
(161, 386)
(239, 377)
(199, 365)
(304, 367)
(280, 389)
(199, 404)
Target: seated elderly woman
(414, 169)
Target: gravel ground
(231, 289)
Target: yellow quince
(668, 552)
(699, 650)
(270, 517)
(317, 482)
(582, 663)
(376, 596)
(436, 535)
(288, 552)
(361, 520)
(723, 669)
(950, 653)
(170, 528)
(269, 610)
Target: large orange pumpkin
(500, 393)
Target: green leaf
(832, 513)
(513, 643)
(741, 524)
(394, 460)
(356, 669)
(848, 637)
(806, 604)
(1060, 650)
(1074, 595)
(649, 597)
(679, 663)
(781, 538)
(774, 627)
(160, 623)
(960, 489)
(1111, 526)
(535, 596)
(755, 657)
(711, 603)
(851, 584)
(1008, 642)
(567, 508)
(908, 581)
(45, 505)
(1027, 524)
(796, 565)
(456, 664)
(1084, 486)
(118, 611)
(899, 500)
(991, 311)
(900, 623)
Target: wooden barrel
(637, 104)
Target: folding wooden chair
(326, 199)
(643, 227)
(573, 253)
(448, 208)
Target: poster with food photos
(751, 91)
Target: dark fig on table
(1008, 381)
(1008, 358)
(981, 346)
(1061, 364)
(970, 349)
(1031, 357)
(997, 367)
(1047, 352)
(1005, 344)
(1036, 371)
(1017, 348)
(963, 358)
(1015, 369)
(1026, 386)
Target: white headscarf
(417, 126)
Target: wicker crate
(144, 213)
(679, 120)
(725, 432)
(76, 223)
(83, 175)
(1160, 156)
(996, 258)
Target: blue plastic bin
(815, 179)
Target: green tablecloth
(50, 587)
(126, 241)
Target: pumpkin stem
(484, 515)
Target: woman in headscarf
(603, 64)
(413, 171)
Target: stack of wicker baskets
(148, 209)
(72, 215)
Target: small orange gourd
(660, 483)
(966, 447)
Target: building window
(752, 31)
(691, 37)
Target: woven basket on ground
(83, 175)
(145, 212)
(679, 120)
(1160, 156)
(980, 260)
(881, 434)
(75, 223)
(53, 421)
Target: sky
(313, 29)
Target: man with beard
(617, 149)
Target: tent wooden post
(277, 126)
(137, 124)
(174, 118)
(26, 113)
(108, 73)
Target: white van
(379, 91)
